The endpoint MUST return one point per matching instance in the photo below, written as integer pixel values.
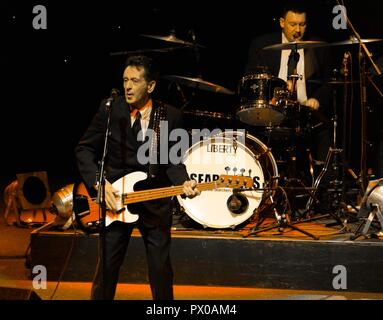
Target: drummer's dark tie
(137, 127)
(292, 63)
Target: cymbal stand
(363, 54)
(187, 102)
(197, 53)
(333, 161)
(294, 77)
(292, 177)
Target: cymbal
(198, 83)
(209, 114)
(353, 41)
(173, 39)
(332, 81)
(296, 45)
(149, 50)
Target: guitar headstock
(228, 181)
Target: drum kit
(267, 103)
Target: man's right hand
(111, 196)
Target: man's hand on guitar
(111, 196)
(190, 189)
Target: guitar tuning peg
(235, 170)
(242, 171)
(227, 169)
(249, 172)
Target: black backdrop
(54, 79)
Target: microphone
(114, 93)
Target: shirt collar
(145, 110)
(284, 39)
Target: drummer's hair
(297, 6)
(151, 71)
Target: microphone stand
(101, 195)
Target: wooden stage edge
(270, 259)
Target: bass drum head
(231, 153)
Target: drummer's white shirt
(301, 83)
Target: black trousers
(156, 235)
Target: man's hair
(150, 70)
(296, 6)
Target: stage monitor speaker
(18, 294)
(372, 197)
(371, 209)
(33, 190)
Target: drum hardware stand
(336, 159)
(292, 64)
(336, 190)
(283, 221)
(363, 54)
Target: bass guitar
(88, 212)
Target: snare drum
(232, 153)
(262, 100)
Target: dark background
(54, 79)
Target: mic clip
(113, 95)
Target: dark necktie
(292, 63)
(137, 127)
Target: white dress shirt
(145, 118)
(301, 83)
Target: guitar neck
(158, 193)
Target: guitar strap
(155, 147)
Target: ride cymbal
(296, 45)
(353, 41)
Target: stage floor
(287, 259)
(208, 263)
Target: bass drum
(232, 153)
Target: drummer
(312, 64)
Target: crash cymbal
(296, 45)
(331, 81)
(198, 83)
(354, 41)
(173, 39)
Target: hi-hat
(354, 41)
(198, 83)
(296, 45)
(173, 39)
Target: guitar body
(88, 212)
